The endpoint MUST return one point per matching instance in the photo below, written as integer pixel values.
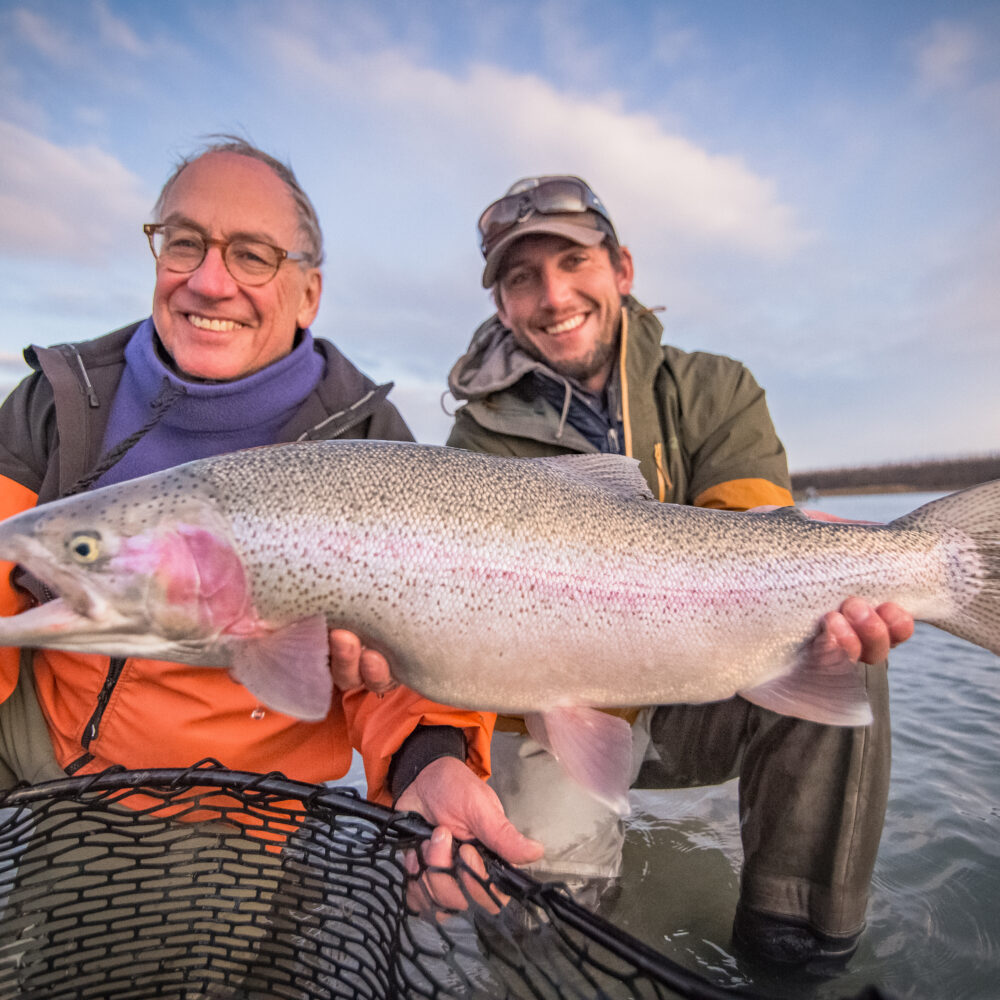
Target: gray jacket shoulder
(53, 423)
(347, 403)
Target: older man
(226, 361)
(571, 362)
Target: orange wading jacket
(141, 713)
(698, 423)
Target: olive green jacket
(698, 423)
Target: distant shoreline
(933, 475)
(835, 491)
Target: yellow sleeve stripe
(623, 378)
(742, 494)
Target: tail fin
(970, 521)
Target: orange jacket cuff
(742, 494)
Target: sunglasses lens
(499, 217)
(554, 197)
(549, 197)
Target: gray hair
(223, 143)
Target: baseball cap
(561, 205)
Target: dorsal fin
(616, 474)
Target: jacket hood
(492, 362)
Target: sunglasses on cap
(542, 195)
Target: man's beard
(582, 369)
(578, 369)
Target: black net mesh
(209, 883)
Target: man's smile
(565, 326)
(214, 325)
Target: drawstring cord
(567, 399)
(165, 399)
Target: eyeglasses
(182, 249)
(544, 195)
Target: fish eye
(85, 546)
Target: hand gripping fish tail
(540, 587)
(970, 520)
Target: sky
(810, 187)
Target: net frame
(205, 882)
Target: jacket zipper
(87, 384)
(90, 731)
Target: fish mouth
(64, 582)
(98, 628)
(48, 623)
(59, 624)
(77, 611)
(101, 629)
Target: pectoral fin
(288, 670)
(594, 749)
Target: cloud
(39, 33)
(420, 403)
(70, 203)
(945, 55)
(573, 50)
(958, 311)
(57, 40)
(650, 177)
(116, 33)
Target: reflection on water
(934, 924)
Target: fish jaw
(139, 595)
(57, 625)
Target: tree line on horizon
(944, 474)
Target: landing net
(210, 883)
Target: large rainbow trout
(537, 586)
